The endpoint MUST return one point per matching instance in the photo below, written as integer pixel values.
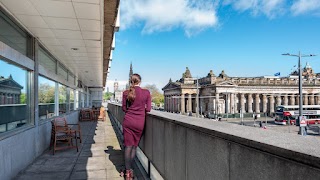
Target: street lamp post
(300, 84)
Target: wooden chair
(86, 115)
(62, 132)
(102, 114)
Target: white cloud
(164, 15)
(305, 6)
(270, 8)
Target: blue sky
(245, 38)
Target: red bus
(286, 114)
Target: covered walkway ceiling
(78, 33)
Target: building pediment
(226, 83)
(171, 85)
(10, 83)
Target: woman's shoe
(129, 174)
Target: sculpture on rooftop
(187, 74)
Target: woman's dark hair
(135, 79)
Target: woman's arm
(148, 108)
(124, 102)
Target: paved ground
(99, 157)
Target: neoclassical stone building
(10, 91)
(223, 94)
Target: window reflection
(13, 97)
(46, 98)
(12, 35)
(62, 99)
(71, 99)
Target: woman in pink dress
(135, 103)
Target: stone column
(264, 101)
(1, 98)
(232, 110)
(257, 99)
(236, 103)
(305, 99)
(249, 103)
(242, 99)
(189, 103)
(278, 100)
(317, 99)
(311, 99)
(183, 104)
(271, 100)
(217, 103)
(297, 99)
(227, 104)
(292, 100)
(285, 100)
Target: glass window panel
(14, 97)
(71, 99)
(46, 98)
(71, 78)
(12, 35)
(62, 71)
(62, 99)
(46, 60)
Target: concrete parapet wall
(182, 147)
(20, 147)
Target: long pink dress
(134, 119)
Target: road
(312, 130)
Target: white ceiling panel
(79, 50)
(88, 1)
(33, 21)
(54, 8)
(67, 34)
(89, 35)
(89, 25)
(72, 42)
(20, 7)
(75, 54)
(62, 23)
(80, 58)
(50, 41)
(87, 11)
(42, 32)
(95, 50)
(92, 55)
(90, 43)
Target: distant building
(10, 91)
(223, 94)
(130, 74)
(117, 92)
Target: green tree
(107, 95)
(23, 98)
(156, 96)
(46, 93)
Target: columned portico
(285, 100)
(189, 103)
(232, 102)
(217, 103)
(305, 99)
(257, 103)
(264, 101)
(271, 100)
(311, 99)
(183, 105)
(292, 100)
(278, 100)
(242, 103)
(250, 103)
